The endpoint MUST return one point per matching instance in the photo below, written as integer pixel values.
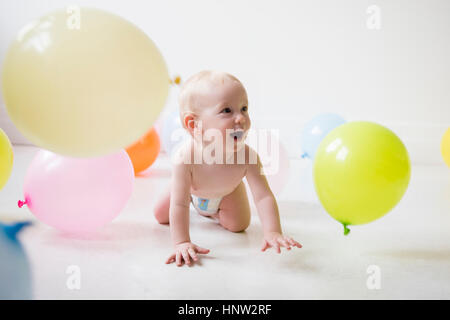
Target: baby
(214, 105)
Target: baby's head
(217, 100)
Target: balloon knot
(21, 203)
(303, 156)
(176, 80)
(346, 230)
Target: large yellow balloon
(6, 158)
(83, 83)
(445, 147)
(361, 171)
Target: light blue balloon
(315, 130)
(173, 134)
(15, 274)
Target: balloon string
(346, 230)
(21, 203)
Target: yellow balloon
(6, 158)
(445, 147)
(361, 171)
(83, 83)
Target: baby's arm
(179, 217)
(267, 208)
(179, 203)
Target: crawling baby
(211, 166)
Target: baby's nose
(240, 118)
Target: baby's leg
(162, 208)
(234, 210)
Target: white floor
(410, 246)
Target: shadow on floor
(408, 254)
(117, 235)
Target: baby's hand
(275, 240)
(185, 251)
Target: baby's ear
(189, 122)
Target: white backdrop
(298, 58)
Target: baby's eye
(226, 110)
(245, 109)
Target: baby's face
(225, 107)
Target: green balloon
(361, 171)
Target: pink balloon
(78, 195)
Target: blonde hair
(196, 85)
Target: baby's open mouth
(237, 135)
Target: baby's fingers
(185, 255)
(284, 243)
(294, 243)
(265, 245)
(201, 250)
(275, 245)
(171, 259)
(192, 254)
(178, 259)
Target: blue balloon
(15, 274)
(173, 133)
(315, 130)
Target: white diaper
(204, 206)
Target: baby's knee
(237, 229)
(162, 219)
(161, 214)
